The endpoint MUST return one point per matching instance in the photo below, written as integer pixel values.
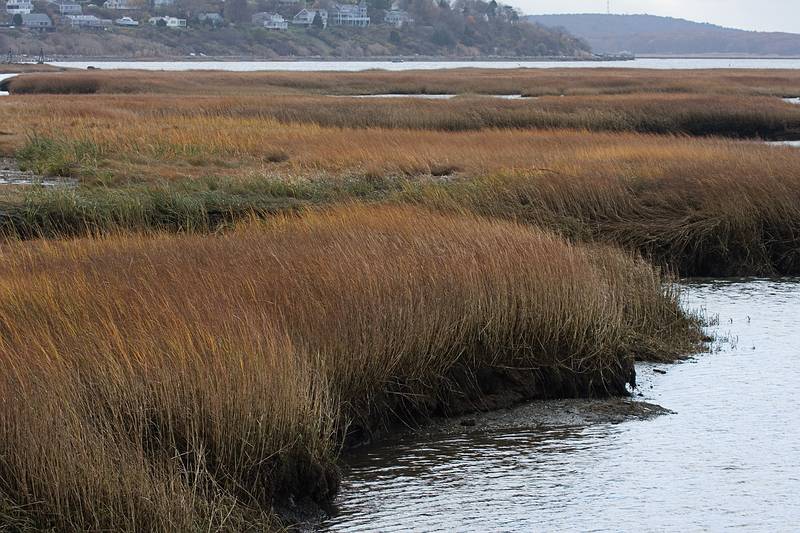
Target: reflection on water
(727, 459)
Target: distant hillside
(647, 34)
(469, 28)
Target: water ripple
(726, 460)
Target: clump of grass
(49, 156)
(203, 205)
(697, 226)
(276, 156)
(184, 382)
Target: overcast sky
(764, 15)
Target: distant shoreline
(293, 59)
(714, 56)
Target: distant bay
(354, 66)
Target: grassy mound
(173, 382)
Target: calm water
(795, 144)
(429, 65)
(3, 77)
(728, 458)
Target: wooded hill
(647, 34)
(465, 28)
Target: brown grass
(672, 197)
(534, 82)
(708, 223)
(16, 68)
(732, 116)
(186, 382)
(146, 138)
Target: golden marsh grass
(183, 382)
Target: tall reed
(178, 382)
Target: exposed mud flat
(536, 414)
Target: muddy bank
(508, 412)
(474, 400)
(465, 391)
(544, 413)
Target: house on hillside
(117, 4)
(87, 21)
(270, 21)
(397, 18)
(158, 4)
(306, 17)
(215, 19)
(69, 8)
(169, 22)
(37, 21)
(350, 15)
(19, 7)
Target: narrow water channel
(5, 77)
(728, 458)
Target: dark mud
(465, 391)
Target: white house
(87, 21)
(215, 19)
(126, 22)
(117, 4)
(19, 7)
(37, 21)
(306, 17)
(350, 14)
(397, 18)
(162, 3)
(69, 9)
(272, 21)
(169, 22)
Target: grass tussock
(704, 225)
(186, 382)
